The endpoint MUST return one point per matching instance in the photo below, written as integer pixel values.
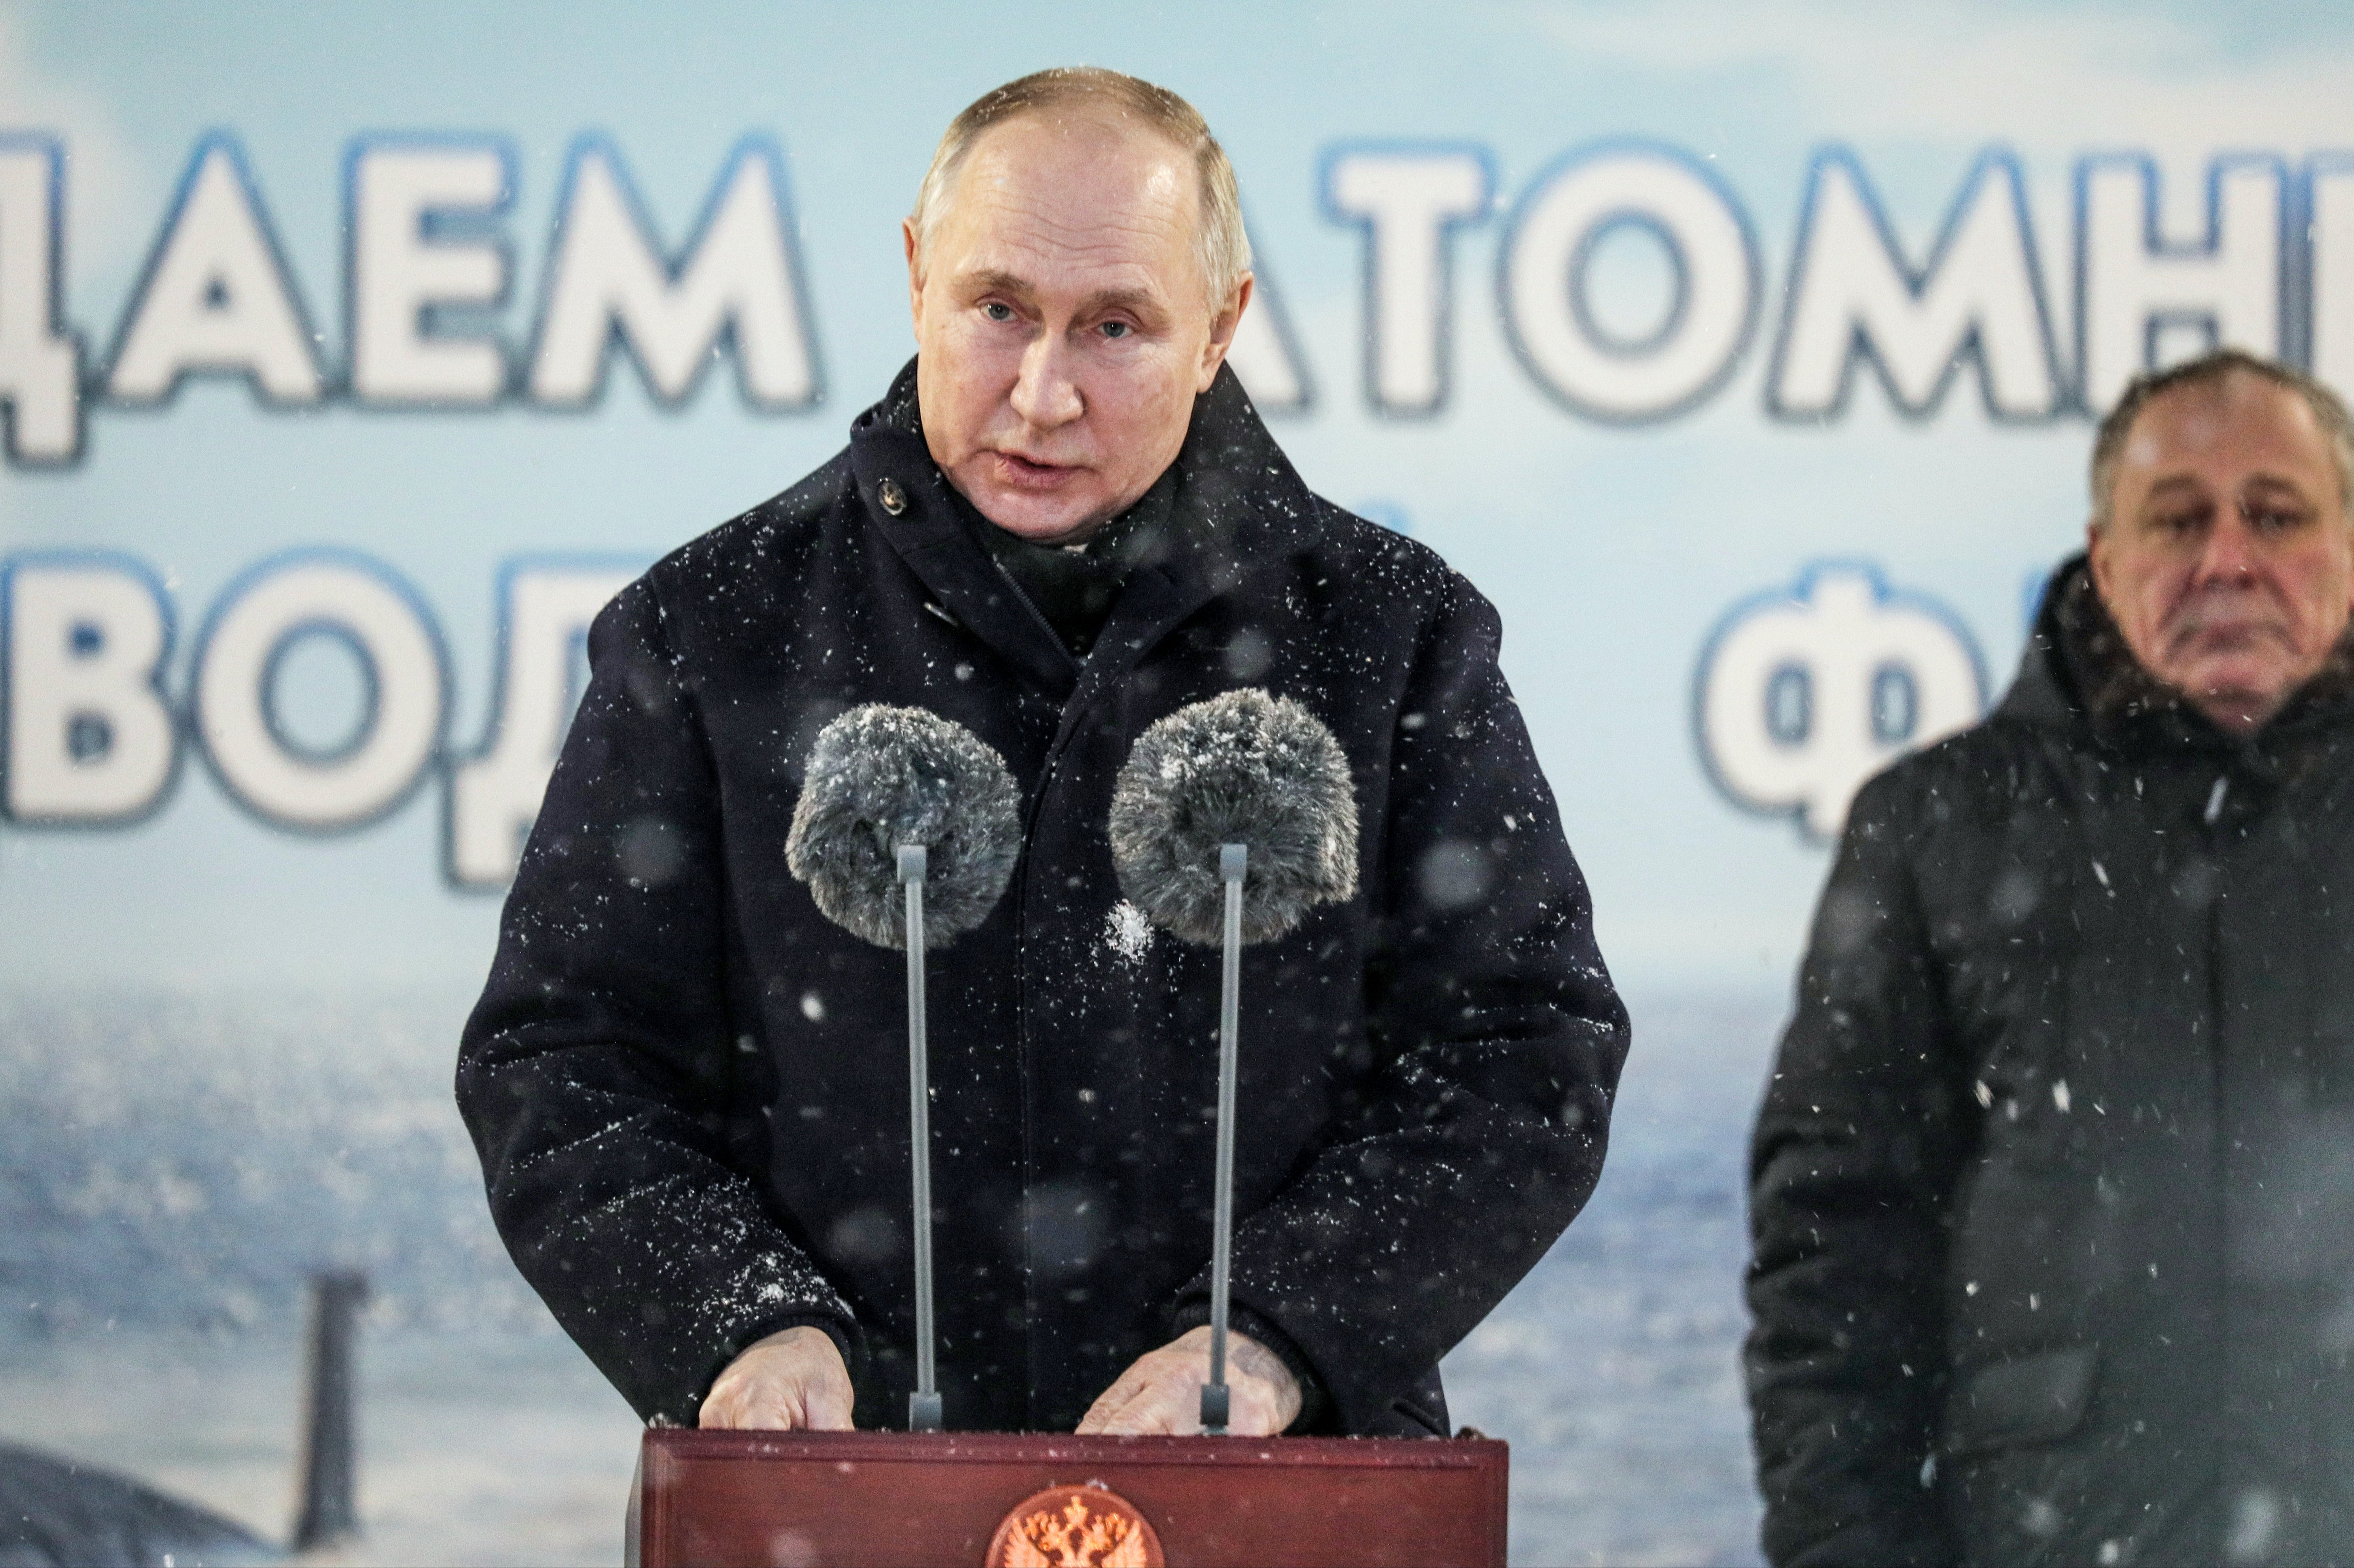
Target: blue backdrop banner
(1745, 356)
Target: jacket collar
(2078, 673)
(1238, 506)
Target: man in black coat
(1063, 522)
(2053, 1193)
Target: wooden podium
(848, 1499)
(929, 1497)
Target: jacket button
(894, 499)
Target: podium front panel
(852, 1498)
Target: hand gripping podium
(1008, 1500)
(1242, 791)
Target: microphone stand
(1234, 861)
(923, 1405)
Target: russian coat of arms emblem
(1074, 1527)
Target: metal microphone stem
(1234, 861)
(923, 1405)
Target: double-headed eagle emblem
(1090, 1529)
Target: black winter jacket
(687, 1088)
(2053, 1193)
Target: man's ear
(1222, 333)
(915, 276)
(2096, 550)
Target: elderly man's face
(2227, 561)
(1063, 325)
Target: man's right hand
(793, 1381)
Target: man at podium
(1063, 521)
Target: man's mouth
(2222, 634)
(1029, 473)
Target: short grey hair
(1219, 243)
(2212, 370)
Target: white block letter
(1407, 201)
(2134, 284)
(1805, 695)
(90, 738)
(363, 604)
(1852, 295)
(1545, 285)
(545, 610)
(739, 276)
(2331, 177)
(399, 271)
(1265, 355)
(217, 297)
(40, 357)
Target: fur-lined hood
(2079, 672)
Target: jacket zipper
(1021, 983)
(1037, 617)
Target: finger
(732, 1416)
(768, 1412)
(1099, 1415)
(1170, 1403)
(1259, 1408)
(1156, 1413)
(1124, 1388)
(723, 1406)
(829, 1406)
(1110, 1413)
(1254, 1418)
(757, 1403)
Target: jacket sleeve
(1477, 1122)
(1857, 1146)
(594, 1073)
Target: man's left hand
(1161, 1392)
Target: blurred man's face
(2227, 561)
(1063, 325)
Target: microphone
(898, 804)
(1231, 818)
(882, 776)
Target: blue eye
(998, 311)
(1116, 329)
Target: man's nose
(1044, 394)
(2228, 554)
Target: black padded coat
(687, 1088)
(2053, 1193)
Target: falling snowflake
(1128, 931)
